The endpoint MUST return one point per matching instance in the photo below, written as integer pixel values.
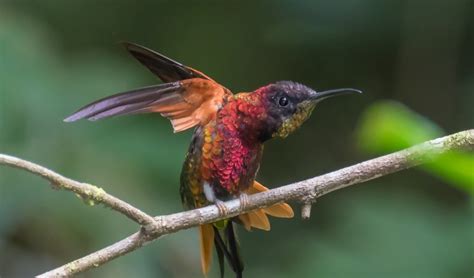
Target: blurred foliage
(57, 55)
(388, 126)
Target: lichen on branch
(305, 192)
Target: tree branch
(87, 192)
(304, 191)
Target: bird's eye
(283, 101)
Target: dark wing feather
(134, 101)
(186, 103)
(165, 68)
(189, 97)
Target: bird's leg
(211, 197)
(244, 200)
(221, 207)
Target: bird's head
(289, 104)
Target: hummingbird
(227, 143)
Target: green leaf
(388, 126)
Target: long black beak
(335, 92)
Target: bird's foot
(244, 201)
(221, 207)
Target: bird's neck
(244, 117)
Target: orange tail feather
(258, 218)
(206, 236)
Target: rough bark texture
(306, 192)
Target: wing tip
(127, 44)
(71, 118)
(135, 47)
(78, 116)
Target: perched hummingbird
(226, 148)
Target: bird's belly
(217, 168)
(229, 166)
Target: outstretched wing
(186, 103)
(165, 68)
(189, 97)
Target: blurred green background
(413, 59)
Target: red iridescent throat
(232, 154)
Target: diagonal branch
(304, 191)
(86, 191)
